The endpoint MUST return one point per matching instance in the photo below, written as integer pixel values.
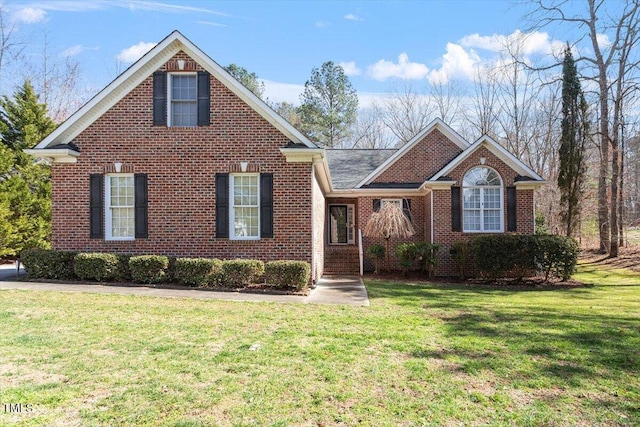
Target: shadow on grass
(550, 339)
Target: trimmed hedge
(517, 255)
(148, 268)
(48, 264)
(196, 271)
(95, 266)
(241, 272)
(288, 273)
(122, 272)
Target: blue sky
(379, 43)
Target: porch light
(117, 166)
(483, 160)
(243, 166)
(180, 64)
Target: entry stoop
(341, 261)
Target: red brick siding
(421, 211)
(181, 164)
(423, 160)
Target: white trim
(170, 98)
(232, 231)
(108, 218)
(58, 155)
(438, 124)
(141, 70)
(501, 187)
(350, 209)
(498, 150)
(432, 232)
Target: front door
(341, 225)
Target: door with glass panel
(341, 225)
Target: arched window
(482, 200)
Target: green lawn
(420, 355)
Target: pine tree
(25, 184)
(329, 105)
(575, 134)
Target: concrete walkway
(328, 290)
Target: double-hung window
(183, 102)
(119, 207)
(245, 206)
(482, 201)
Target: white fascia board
(438, 185)
(302, 155)
(529, 185)
(114, 91)
(379, 192)
(58, 155)
(142, 69)
(498, 150)
(435, 124)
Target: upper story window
(482, 200)
(183, 100)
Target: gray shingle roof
(349, 167)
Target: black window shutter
(222, 205)
(96, 206)
(266, 205)
(406, 208)
(511, 209)
(455, 209)
(203, 99)
(160, 98)
(376, 205)
(141, 206)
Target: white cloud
(456, 63)
(322, 24)
(282, 92)
(535, 42)
(404, 69)
(29, 15)
(603, 41)
(353, 17)
(211, 23)
(135, 52)
(350, 68)
(72, 51)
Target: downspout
(432, 234)
(313, 224)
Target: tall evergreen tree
(329, 105)
(25, 184)
(575, 134)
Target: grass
(420, 355)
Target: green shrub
(509, 255)
(196, 271)
(460, 252)
(376, 252)
(241, 272)
(427, 256)
(148, 268)
(48, 264)
(122, 272)
(406, 253)
(504, 255)
(288, 273)
(95, 266)
(557, 255)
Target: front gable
(418, 159)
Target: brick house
(177, 157)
